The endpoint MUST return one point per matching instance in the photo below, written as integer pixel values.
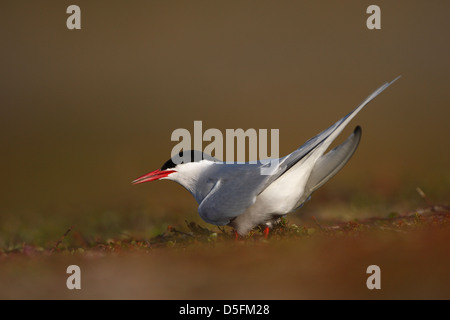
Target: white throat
(195, 177)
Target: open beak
(154, 175)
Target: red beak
(154, 175)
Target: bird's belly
(265, 208)
(283, 195)
(279, 203)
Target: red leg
(236, 235)
(266, 232)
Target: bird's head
(185, 165)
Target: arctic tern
(238, 195)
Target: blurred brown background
(84, 112)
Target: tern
(238, 195)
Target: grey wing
(238, 185)
(325, 138)
(234, 191)
(330, 163)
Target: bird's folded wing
(233, 192)
(330, 163)
(239, 184)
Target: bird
(238, 195)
